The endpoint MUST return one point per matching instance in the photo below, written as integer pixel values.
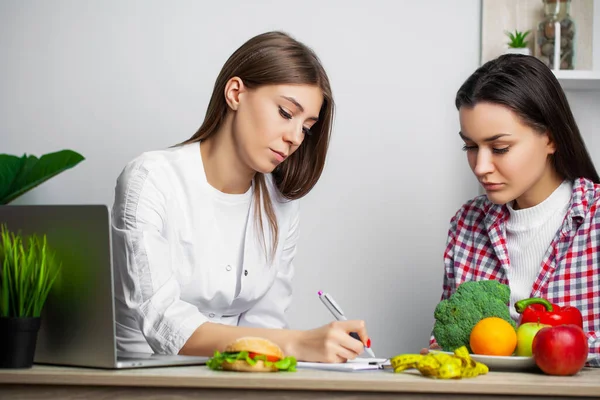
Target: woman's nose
(483, 163)
(294, 136)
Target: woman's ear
(233, 89)
(551, 145)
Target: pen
(337, 312)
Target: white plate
(500, 362)
(512, 363)
(505, 363)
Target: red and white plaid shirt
(570, 270)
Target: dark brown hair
(274, 58)
(529, 88)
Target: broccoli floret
(472, 301)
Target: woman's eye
(494, 150)
(287, 115)
(284, 113)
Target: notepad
(358, 364)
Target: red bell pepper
(541, 310)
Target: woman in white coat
(205, 232)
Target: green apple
(525, 334)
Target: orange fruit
(493, 336)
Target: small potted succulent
(517, 43)
(28, 269)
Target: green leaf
(215, 361)
(20, 176)
(9, 169)
(286, 364)
(219, 358)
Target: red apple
(560, 350)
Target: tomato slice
(269, 358)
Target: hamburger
(252, 354)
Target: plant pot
(522, 50)
(18, 337)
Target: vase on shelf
(557, 24)
(518, 50)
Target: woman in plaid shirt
(537, 227)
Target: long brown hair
(275, 58)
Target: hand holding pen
(338, 314)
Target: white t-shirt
(231, 211)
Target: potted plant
(28, 267)
(517, 43)
(28, 271)
(19, 175)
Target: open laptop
(78, 319)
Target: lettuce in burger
(252, 354)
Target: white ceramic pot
(524, 50)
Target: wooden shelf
(499, 16)
(578, 79)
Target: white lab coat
(170, 276)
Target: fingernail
(369, 343)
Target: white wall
(585, 105)
(111, 79)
